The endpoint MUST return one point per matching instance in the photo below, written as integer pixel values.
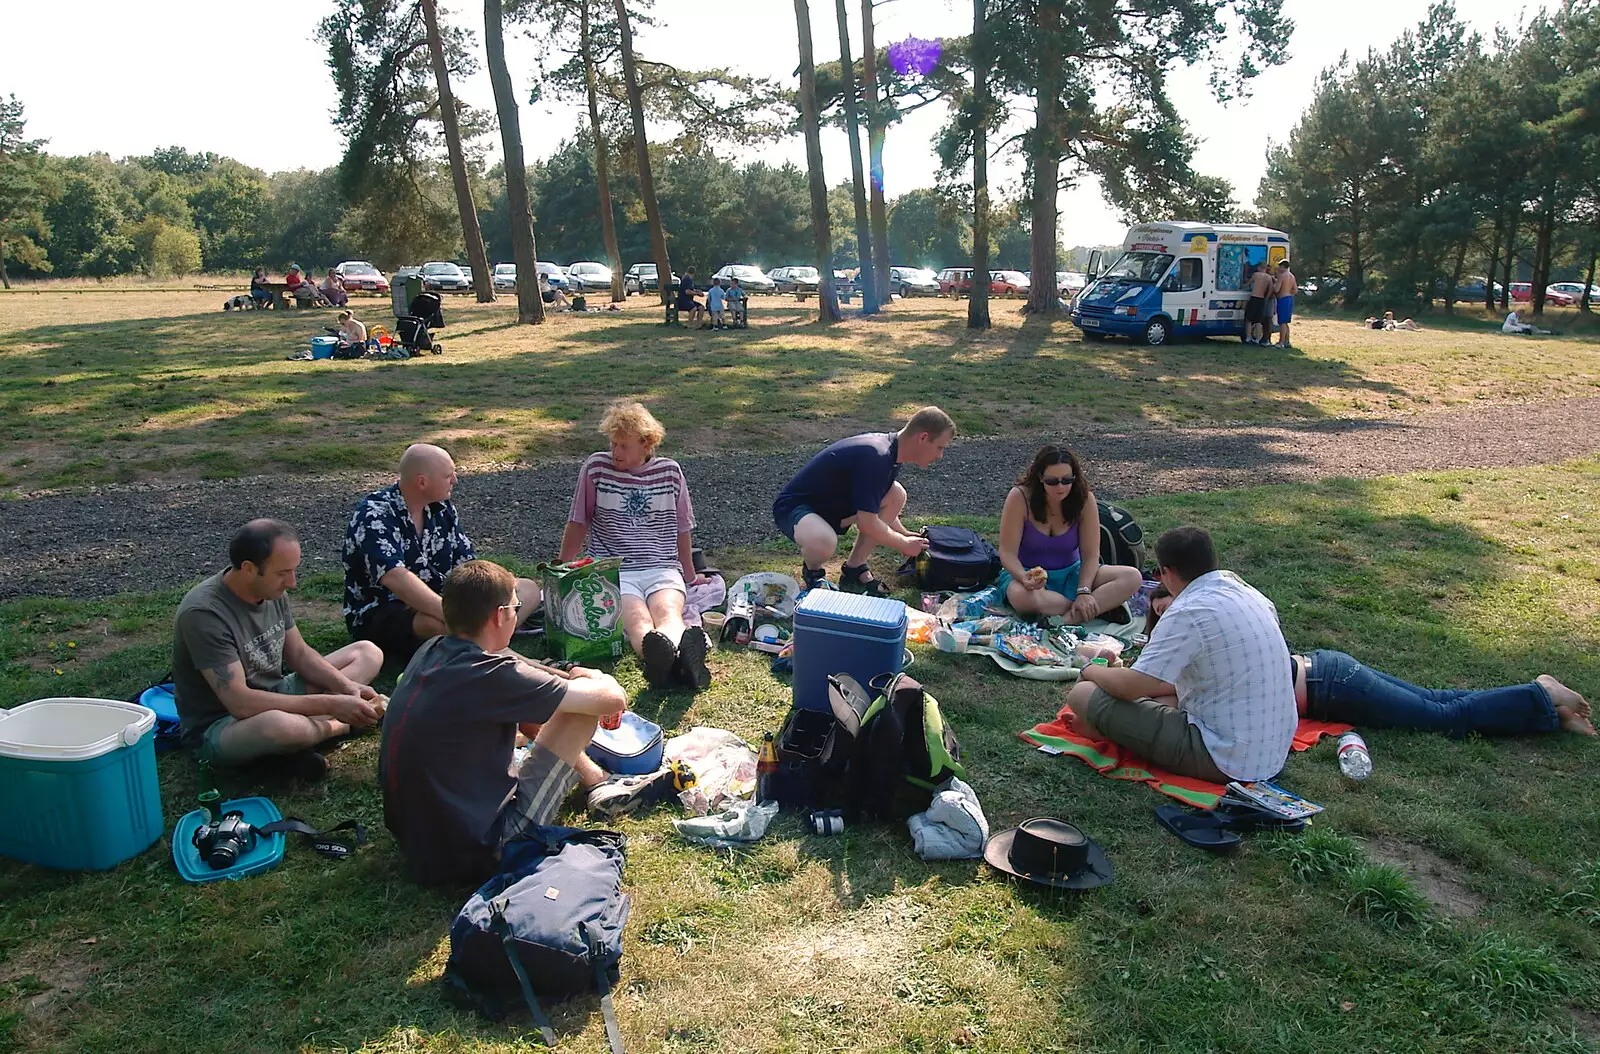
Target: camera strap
(336, 848)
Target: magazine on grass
(1274, 799)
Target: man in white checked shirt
(1211, 696)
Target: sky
(221, 75)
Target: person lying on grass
(1210, 696)
(453, 794)
(1050, 544)
(399, 545)
(852, 484)
(629, 503)
(246, 684)
(1332, 686)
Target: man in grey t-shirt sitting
(453, 794)
(247, 685)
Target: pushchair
(412, 327)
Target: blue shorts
(1063, 580)
(787, 518)
(1285, 308)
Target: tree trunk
(530, 307)
(867, 278)
(1046, 161)
(1510, 263)
(1493, 263)
(1543, 245)
(978, 300)
(602, 164)
(641, 146)
(482, 279)
(5, 279)
(1356, 278)
(1583, 305)
(1455, 278)
(822, 237)
(875, 134)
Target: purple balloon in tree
(913, 55)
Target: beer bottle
(766, 769)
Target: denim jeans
(1338, 688)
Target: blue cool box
(838, 632)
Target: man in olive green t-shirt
(246, 684)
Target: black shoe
(854, 580)
(812, 577)
(660, 657)
(692, 668)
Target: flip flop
(1199, 829)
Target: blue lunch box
(633, 748)
(850, 633)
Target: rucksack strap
(497, 923)
(602, 984)
(336, 848)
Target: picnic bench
(278, 290)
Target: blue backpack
(158, 697)
(550, 923)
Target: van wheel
(1158, 332)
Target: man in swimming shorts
(1287, 287)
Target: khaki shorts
(543, 782)
(1159, 733)
(210, 749)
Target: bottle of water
(1354, 760)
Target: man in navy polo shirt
(852, 484)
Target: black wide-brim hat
(1050, 852)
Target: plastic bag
(724, 767)
(1022, 648)
(919, 626)
(740, 824)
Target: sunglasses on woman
(1058, 481)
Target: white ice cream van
(1176, 279)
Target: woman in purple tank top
(1050, 544)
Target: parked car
(555, 276)
(1471, 289)
(360, 276)
(442, 276)
(1070, 283)
(913, 281)
(1575, 291)
(1522, 293)
(588, 275)
(794, 278)
(751, 279)
(505, 277)
(955, 281)
(1009, 283)
(641, 277)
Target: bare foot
(1571, 722)
(1562, 696)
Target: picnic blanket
(1118, 763)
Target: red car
(1523, 293)
(360, 276)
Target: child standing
(716, 297)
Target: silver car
(588, 275)
(751, 279)
(443, 276)
(913, 281)
(505, 276)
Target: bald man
(401, 542)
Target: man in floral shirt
(401, 542)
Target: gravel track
(144, 536)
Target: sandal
(856, 580)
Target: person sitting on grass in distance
(1388, 322)
(1333, 686)
(453, 792)
(1050, 544)
(246, 684)
(399, 545)
(553, 295)
(352, 330)
(852, 484)
(1210, 696)
(716, 299)
(629, 503)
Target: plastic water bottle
(1354, 761)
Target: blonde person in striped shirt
(631, 503)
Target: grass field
(128, 386)
(1450, 903)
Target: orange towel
(1118, 763)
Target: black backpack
(550, 923)
(1121, 537)
(957, 559)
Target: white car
(587, 275)
(751, 279)
(1575, 291)
(505, 276)
(1070, 283)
